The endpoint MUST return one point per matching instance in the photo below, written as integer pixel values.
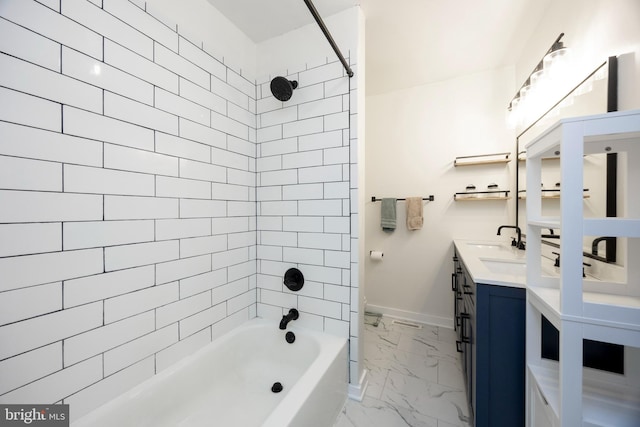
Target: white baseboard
(356, 391)
(411, 315)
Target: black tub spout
(293, 315)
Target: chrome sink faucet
(519, 243)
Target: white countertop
(477, 255)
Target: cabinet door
(540, 411)
(471, 355)
(500, 357)
(458, 281)
(466, 352)
(457, 297)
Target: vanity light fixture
(542, 82)
(555, 54)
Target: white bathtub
(228, 383)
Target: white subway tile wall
(151, 200)
(121, 145)
(304, 211)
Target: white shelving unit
(564, 393)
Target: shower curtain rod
(327, 34)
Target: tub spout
(293, 315)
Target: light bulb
(553, 59)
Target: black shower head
(282, 88)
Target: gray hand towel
(388, 214)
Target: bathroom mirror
(596, 94)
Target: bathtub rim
(330, 348)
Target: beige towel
(414, 213)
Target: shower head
(282, 88)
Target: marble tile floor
(415, 379)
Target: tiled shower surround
(303, 196)
(305, 190)
(152, 197)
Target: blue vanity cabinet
(500, 356)
(491, 338)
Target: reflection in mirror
(596, 94)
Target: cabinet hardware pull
(463, 337)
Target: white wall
(307, 47)
(205, 26)
(413, 138)
(307, 189)
(127, 199)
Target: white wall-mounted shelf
(481, 162)
(524, 159)
(478, 199)
(481, 195)
(552, 194)
(482, 159)
(583, 308)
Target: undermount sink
(486, 246)
(515, 268)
